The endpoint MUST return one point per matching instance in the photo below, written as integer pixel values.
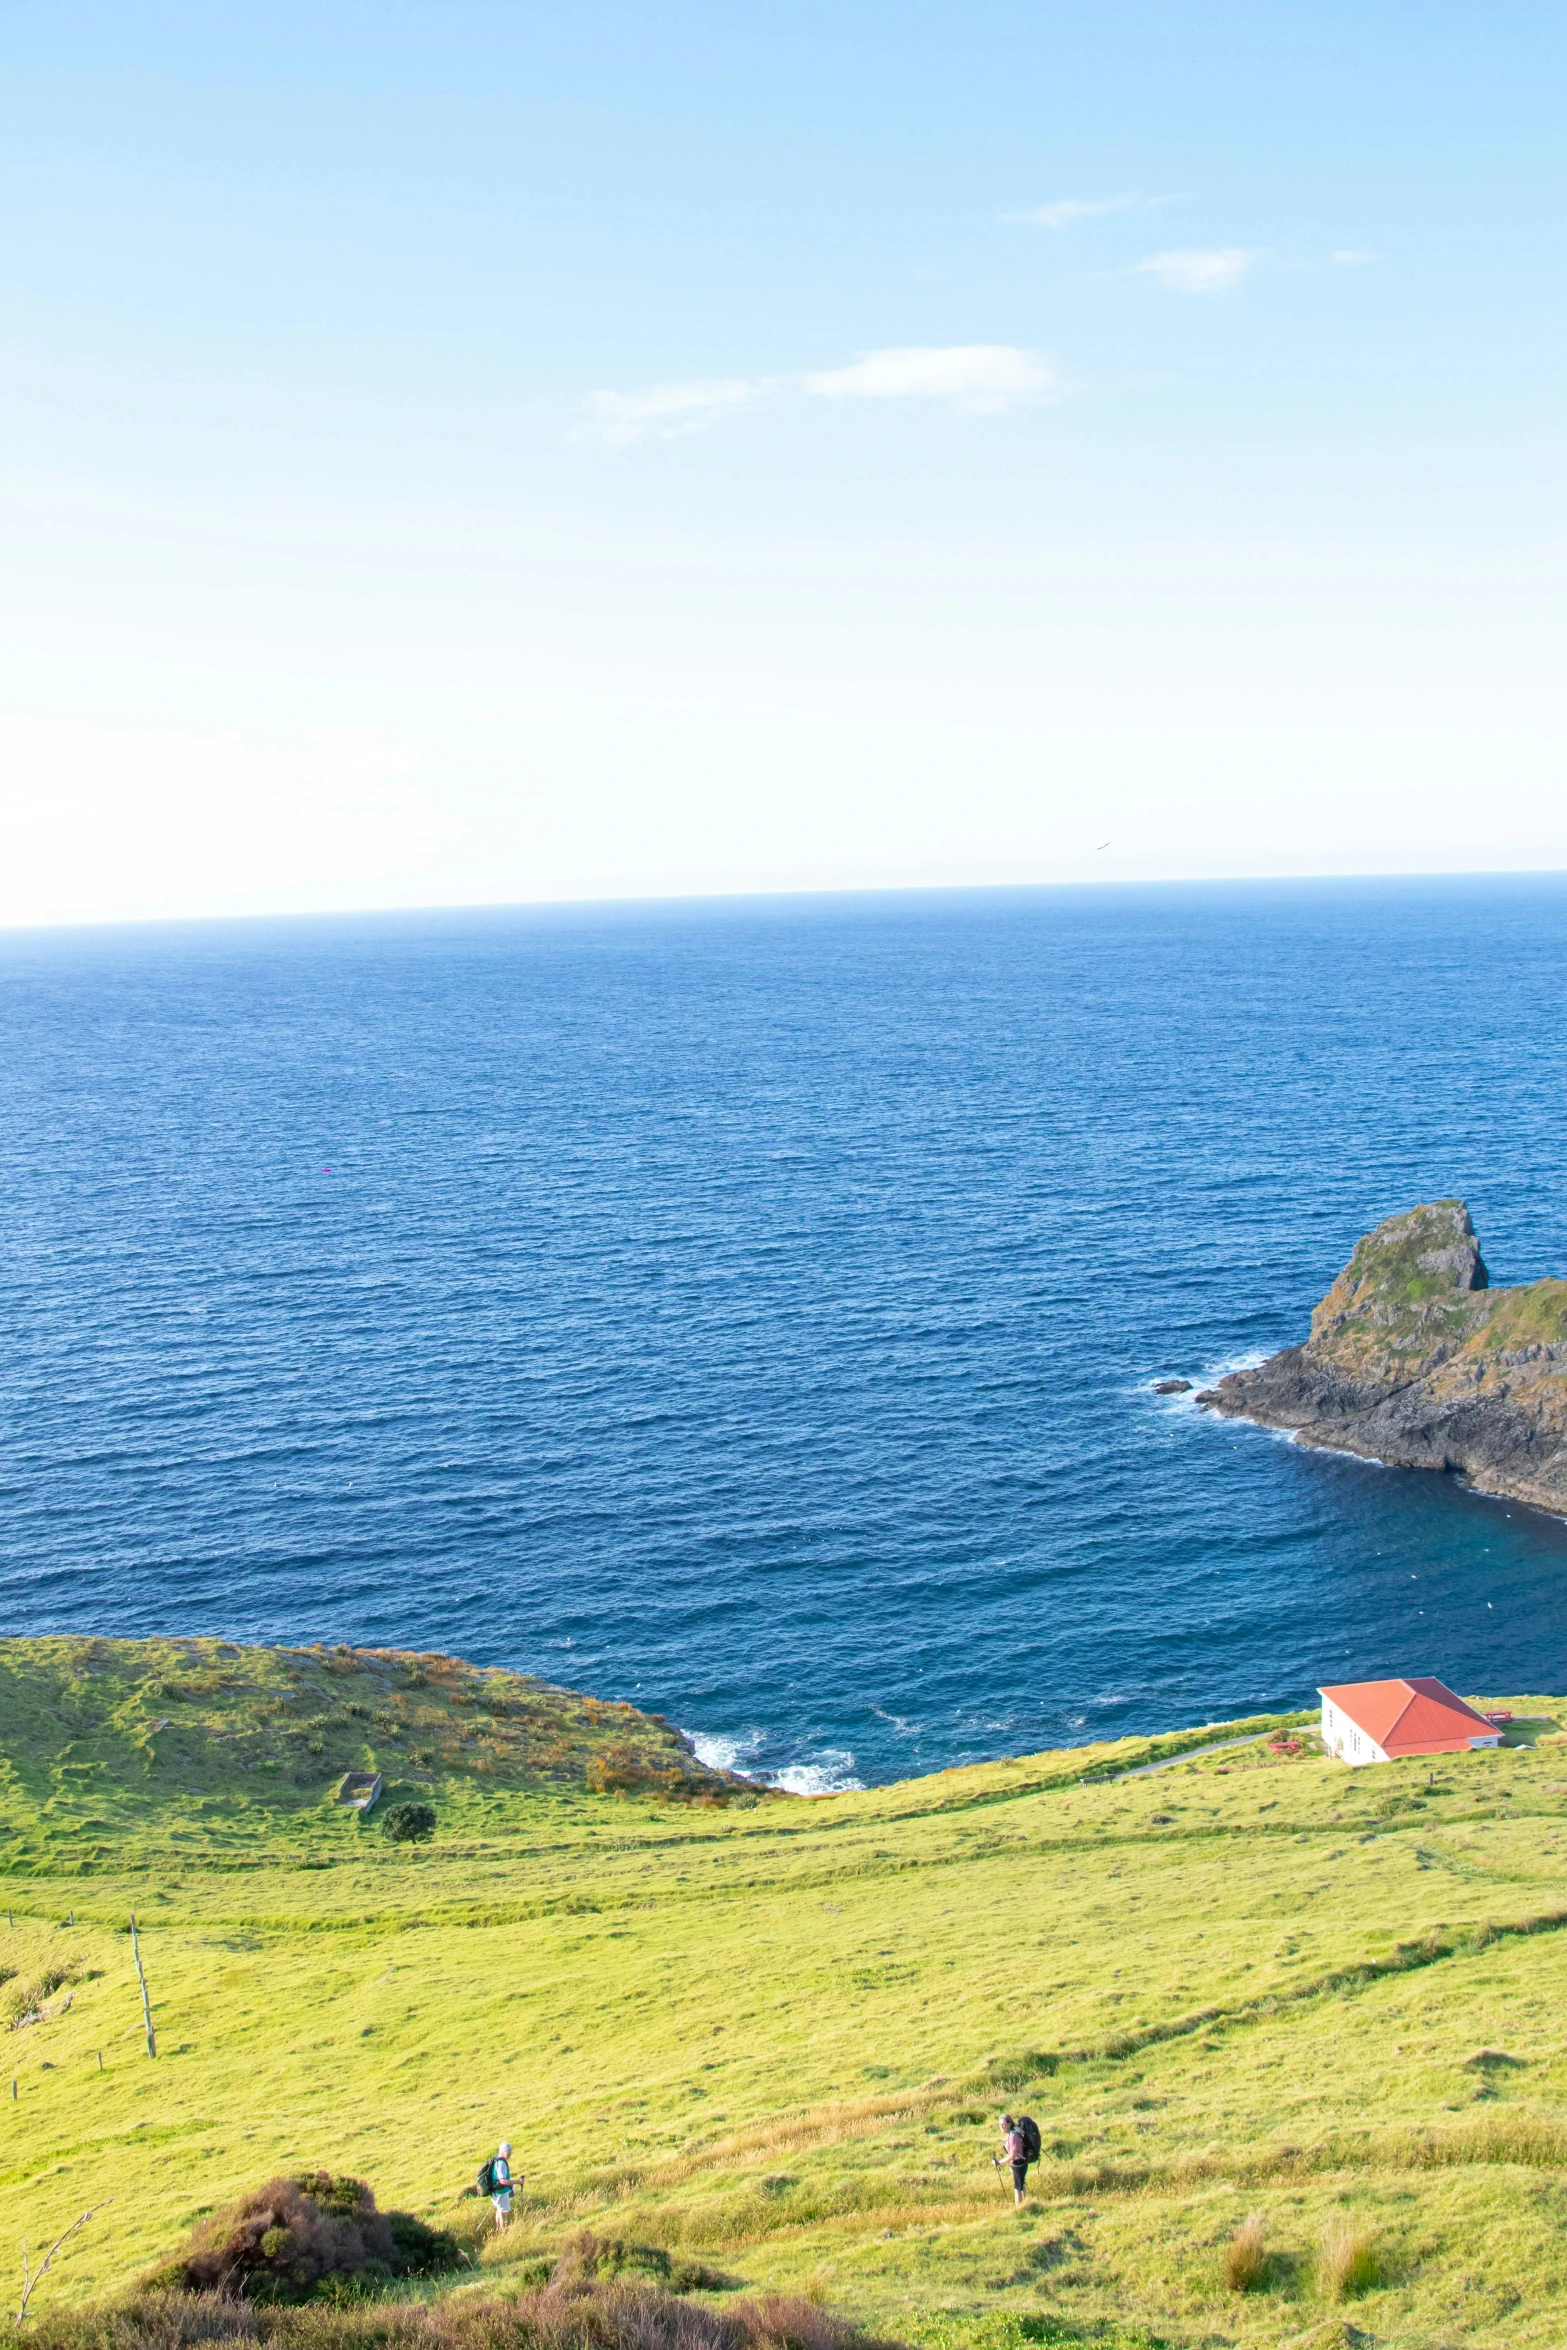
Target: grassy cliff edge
(771, 2035)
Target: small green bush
(29, 1997)
(409, 1823)
(422, 2251)
(589, 2259)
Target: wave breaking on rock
(1415, 1360)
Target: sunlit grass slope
(774, 2035)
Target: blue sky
(461, 453)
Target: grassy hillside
(169, 1740)
(772, 2036)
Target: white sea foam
(832, 1773)
(1208, 1376)
(829, 1773)
(905, 1729)
(1248, 1362)
(724, 1754)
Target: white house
(1383, 1721)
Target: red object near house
(1383, 1721)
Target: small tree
(409, 1823)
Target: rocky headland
(1415, 1360)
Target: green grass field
(773, 2036)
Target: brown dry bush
(303, 2238)
(619, 1769)
(1245, 2255)
(589, 2317)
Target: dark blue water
(749, 1308)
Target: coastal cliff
(1415, 1360)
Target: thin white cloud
(980, 377)
(1348, 257)
(1066, 209)
(1200, 269)
(667, 410)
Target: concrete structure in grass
(360, 1789)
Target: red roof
(1419, 1716)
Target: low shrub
(1006, 2074)
(28, 1998)
(1245, 2255)
(313, 2238)
(422, 2251)
(589, 2259)
(592, 2317)
(409, 1823)
(1347, 2263)
(620, 1769)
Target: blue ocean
(750, 1308)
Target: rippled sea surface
(750, 1308)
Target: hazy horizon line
(828, 892)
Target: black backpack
(1029, 2131)
(487, 2178)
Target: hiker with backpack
(496, 2181)
(1020, 2146)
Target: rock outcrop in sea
(1414, 1359)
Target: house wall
(1347, 1740)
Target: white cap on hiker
(505, 2146)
